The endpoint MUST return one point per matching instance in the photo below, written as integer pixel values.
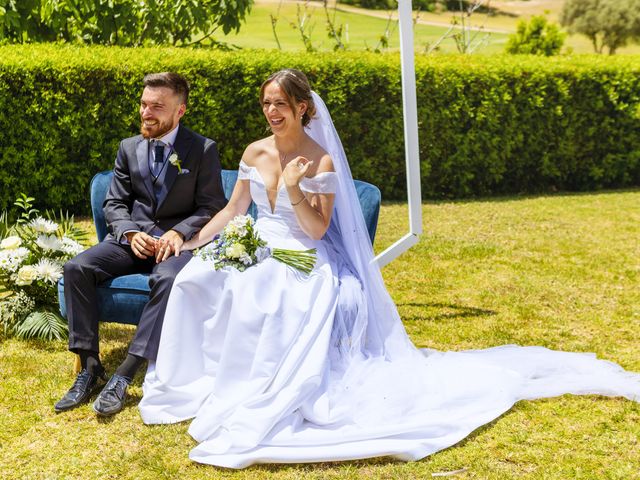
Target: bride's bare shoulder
(322, 159)
(256, 150)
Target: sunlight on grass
(362, 32)
(363, 28)
(560, 271)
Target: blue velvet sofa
(122, 299)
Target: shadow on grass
(452, 311)
(315, 467)
(114, 345)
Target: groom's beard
(155, 131)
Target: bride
(274, 365)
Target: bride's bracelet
(304, 197)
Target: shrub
(536, 37)
(488, 125)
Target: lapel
(184, 139)
(142, 155)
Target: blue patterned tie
(158, 158)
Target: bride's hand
(188, 245)
(295, 170)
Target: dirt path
(529, 7)
(394, 15)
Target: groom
(166, 186)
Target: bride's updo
(296, 88)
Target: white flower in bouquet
(70, 247)
(48, 270)
(10, 260)
(26, 275)
(236, 250)
(42, 225)
(11, 243)
(49, 243)
(238, 226)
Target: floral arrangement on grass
(33, 250)
(239, 246)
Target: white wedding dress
(276, 366)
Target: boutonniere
(175, 161)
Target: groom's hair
(173, 81)
(296, 88)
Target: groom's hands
(144, 245)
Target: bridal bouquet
(32, 252)
(240, 246)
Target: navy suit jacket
(188, 200)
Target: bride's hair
(296, 88)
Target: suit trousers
(101, 262)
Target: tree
(607, 23)
(122, 22)
(537, 37)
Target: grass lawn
(559, 271)
(364, 27)
(364, 31)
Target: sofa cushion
(120, 299)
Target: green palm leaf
(66, 226)
(45, 325)
(5, 228)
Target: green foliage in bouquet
(33, 250)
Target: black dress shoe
(111, 398)
(80, 391)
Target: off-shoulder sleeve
(325, 182)
(244, 171)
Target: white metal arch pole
(411, 148)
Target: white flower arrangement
(32, 254)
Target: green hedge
(488, 125)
